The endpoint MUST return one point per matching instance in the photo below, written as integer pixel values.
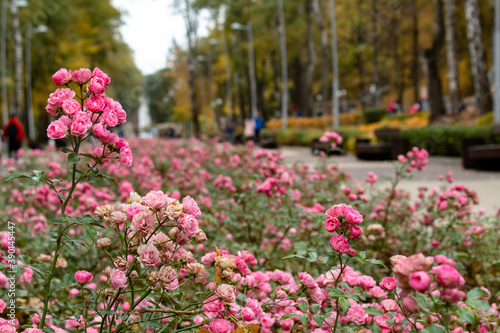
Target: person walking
(13, 133)
(249, 129)
(259, 125)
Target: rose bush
(199, 236)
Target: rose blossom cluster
(333, 137)
(343, 220)
(94, 113)
(417, 158)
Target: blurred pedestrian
(230, 130)
(249, 129)
(13, 133)
(259, 125)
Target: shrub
(372, 115)
(345, 119)
(447, 140)
(304, 137)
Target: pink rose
(353, 216)
(95, 103)
(420, 281)
(118, 278)
(388, 283)
(57, 98)
(67, 121)
(336, 210)
(191, 207)
(247, 314)
(82, 75)
(149, 255)
(71, 106)
(307, 280)
(452, 295)
(389, 305)
(188, 224)
(111, 117)
(53, 110)
(81, 124)
(126, 157)
(220, 326)
(61, 77)
(226, 293)
(155, 199)
(410, 304)
(143, 221)
(57, 130)
(339, 243)
(100, 74)
(357, 315)
(3, 305)
(83, 277)
(331, 224)
(367, 282)
(100, 132)
(447, 276)
(354, 231)
(96, 86)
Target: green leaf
(476, 293)
(15, 176)
(375, 261)
(312, 257)
(2, 265)
(303, 306)
(480, 304)
(390, 322)
(291, 256)
(344, 304)
(371, 310)
(304, 319)
(73, 158)
(92, 234)
(66, 150)
(288, 315)
(314, 308)
(466, 315)
(435, 329)
(391, 314)
(318, 319)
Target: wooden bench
(478, 155)
(391, 145)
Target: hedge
(447, 140)
(304, 137)
(373, 115)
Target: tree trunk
(451, 53)
(376, 72)
(18, 64)
(482, 93)
(324, 55)
(432, 56)
(415, 60)
(311, 60)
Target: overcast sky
(149, 28)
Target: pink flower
(219, 326)
(388, 283)
(155, 199)
(118, 278)
(420, 281)
(307, 280)
(390, 305)
(95, 103)
(188, 224)
(353, 216)
(191, 207)
(81, 124)
(71, 106)
(331, 224)
(149, 256)
(57, 130)
(61, 77)
(354, 231)
(96, 86)
(100, 74)
(410, 304)
(82, 75)
(247, 314)
(83, 277)
(111, 117)
(357, 315)
(126, 157)
(367, 282)
(2, 306)
(339, 243)
(143, 221)
(226, 293)
(57, 98)
(447, 276)
(336, 210)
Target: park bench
(478, 155)
(389, 146)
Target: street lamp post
(335, 66)
(29, 103)
(251, 56)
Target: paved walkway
(485, 183)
